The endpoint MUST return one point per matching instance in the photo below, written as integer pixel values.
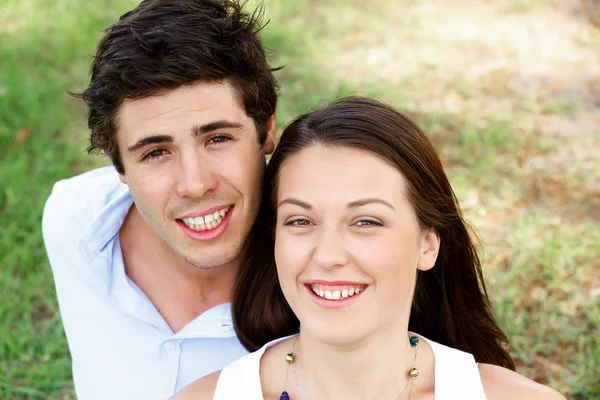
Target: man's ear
(430, 247)
(122, 178)
(269, 145)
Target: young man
(144, 253)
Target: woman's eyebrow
(294, 201)
(353, 204)
(363, 202)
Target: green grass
(540, 260)
(546, 307)
(44, 48)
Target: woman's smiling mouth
(334, 294)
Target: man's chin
(204, 265)
(206, 262)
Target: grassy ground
(507, 89)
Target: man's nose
(195, 179)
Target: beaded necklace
(413, 372)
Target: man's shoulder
(96, 183)
(74, 201)
(89, 192)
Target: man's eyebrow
(296, 202)
(196, 131)
(150, 140)
(363, 202)
(213, 126)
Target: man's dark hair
(163, 44)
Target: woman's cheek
(292, 259)
(284, 258)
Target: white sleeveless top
(456, 375)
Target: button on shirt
(121, 346)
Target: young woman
(358, 250)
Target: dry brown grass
(509, 90)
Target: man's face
(194, 167)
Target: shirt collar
(215, 322)
(107, 223)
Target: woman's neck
(375, 368)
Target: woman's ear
(430, 247)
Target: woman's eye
(298, 222)
(218, 139)
(154, 154)
(367, 222)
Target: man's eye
(298, 222)
(218, 139)
(155, 154)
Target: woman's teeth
(337, 294)
(207, 222)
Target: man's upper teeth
(209, 221)
(336, 294)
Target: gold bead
(290, 358)
(413, 373)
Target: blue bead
(284, 396)
(413, 341)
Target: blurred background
(508, 90)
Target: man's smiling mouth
(206, 222)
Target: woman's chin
(334, 335)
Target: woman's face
(348, 243)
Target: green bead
(413, 341)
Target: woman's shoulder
(240, 376)
(201, 389)
(502, 383)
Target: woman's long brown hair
(450, 304)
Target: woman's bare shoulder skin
(201, 389)
(500, 383)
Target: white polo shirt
(121, 346)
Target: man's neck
(178, 290)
